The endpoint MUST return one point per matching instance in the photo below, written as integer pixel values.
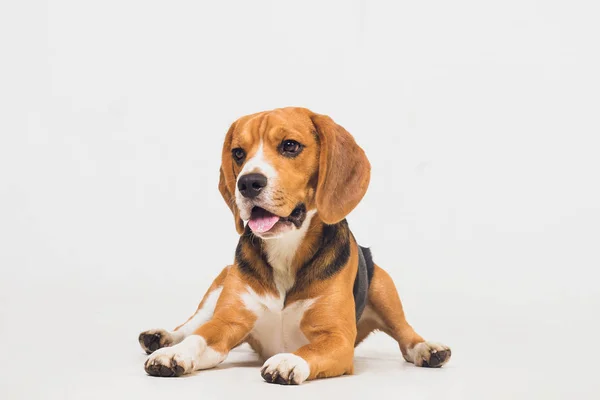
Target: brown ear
(227, 180)
(344, 171)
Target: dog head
(278, 166)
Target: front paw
(428, 354)
(155, 339)
(190, 355)
(165, 365)
(285, 369)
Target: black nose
(250, 185)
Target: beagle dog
(301, 291)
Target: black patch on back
(369, 260)
(364, 274)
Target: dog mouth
(263, 221)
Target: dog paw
(189, 355)
(428, 354)
(285, 369)
(177, 360)
(155, 339)
(166, 364)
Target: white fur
(277, 329)
(258, 304)
(202, 316)
(284, 364)
(210, 358)
(192, 354)
(422, 351)
(281, 251)
(257, 164)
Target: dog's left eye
(238, 155)
(290, 148)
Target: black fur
(335, 246)
(252, 243)
(341, 241)
(364, 274)
(369, 260)
(331, 255)
(244, 265)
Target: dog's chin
(268, 225)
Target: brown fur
(331, 175)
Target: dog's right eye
(238, 154)
(290, 148)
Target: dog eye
(238, 154)
(290, 148)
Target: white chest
(277, 329)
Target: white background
(481, 121)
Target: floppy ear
(344, 171)
(227, 180)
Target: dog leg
(368, 323)
(384, 311)
(154, 339)
(330, 327)
(209, 344)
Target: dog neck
(292, 263)
(281, 253)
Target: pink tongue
(262, 223)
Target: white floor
(65, 343)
